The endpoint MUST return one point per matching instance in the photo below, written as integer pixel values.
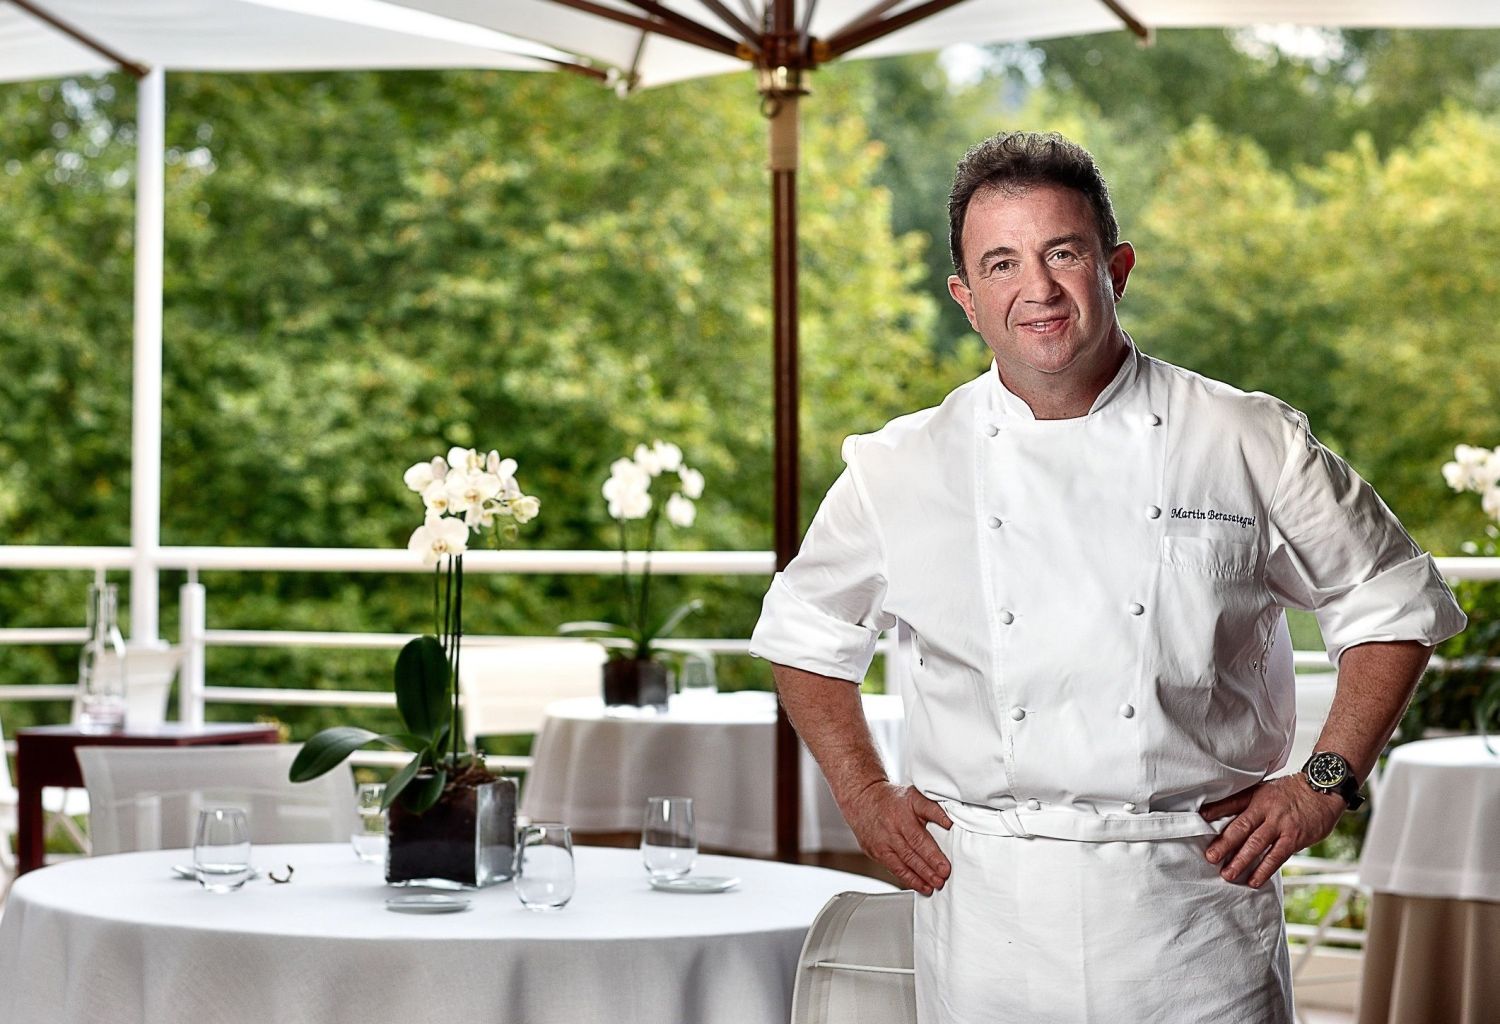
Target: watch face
(1327, 770)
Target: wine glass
(368, 837)
(669, 841)
(221, 849)
(544, 866)
(697, 676)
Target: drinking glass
(221, 849)
(697, 677)
(368, 837)
(669, 842)
(544, 866)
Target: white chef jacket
(1089, 611)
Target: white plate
(699, 883)
(186, 872)
(426, 903)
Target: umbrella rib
(858, 35)
(577, 69)
(685, 23)
(807, 17)
(734, 21)
(137, 70)
(868, 16)
(1134, 25)
(708, 41)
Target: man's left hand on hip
(1272, 820)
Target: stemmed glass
(368, 837)
(221, 849)
(544, 866)
(669, 841)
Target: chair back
(148, 683)
(148, 798)
(856, 965)
(506, 688)
(9, 799)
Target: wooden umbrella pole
(781, 88)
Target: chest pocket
(1211, 556)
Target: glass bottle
(101, 666)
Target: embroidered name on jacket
(1245, 522)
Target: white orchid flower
(418, 476)
(470, 490)
(465, 460)
(647, 460)
(692, 482)
(439, 467)
(526, 508)
(1456, 475)
(628, 497)
(668, 455)
(681, 511)
(436, 497)
(1491, 503)
(438, 539)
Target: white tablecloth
(1436, 826)
(120, 940)
(594, 772)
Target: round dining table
(123, 939)
(1432, 860)
(594, 768)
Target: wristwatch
(1328, 772)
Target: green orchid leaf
(398, 782)
(329, 748)
(674, 619)
(422, 677)
(422, 793)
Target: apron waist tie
(1081, 826)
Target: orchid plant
(1466, 679)
(633, 494)
(464, 494)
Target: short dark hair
(1021, 161)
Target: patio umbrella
(641, 43)
(146, 38)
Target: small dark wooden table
(45, 757)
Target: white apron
(1055, 931)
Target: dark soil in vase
(449, 840)
(635, 681)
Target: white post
(193, 610)
(145, 395)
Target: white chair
(506, 688)
(59, 808)
(856, 964)
(148, 798)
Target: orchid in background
(1465, 671)
(465, 494)
(1478, 470)
(634, 494)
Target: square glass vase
(467, 838)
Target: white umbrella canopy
(46, 38)
(654, 43)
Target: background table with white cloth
(594, 770)
(1432, 857)
(120, 939)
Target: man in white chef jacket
(1085, 553)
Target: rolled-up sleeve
(1338, 551)
(824, 612)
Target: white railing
(196, 638)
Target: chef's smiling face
(1041, 291)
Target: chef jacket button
(1129, 807)
(1007, 618)
(1127, 710)
(1153, 511)
(991, 429)
(1136, 608)
(994, 522)
(1153, 420)
(1033, 805)
(1017, 713)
